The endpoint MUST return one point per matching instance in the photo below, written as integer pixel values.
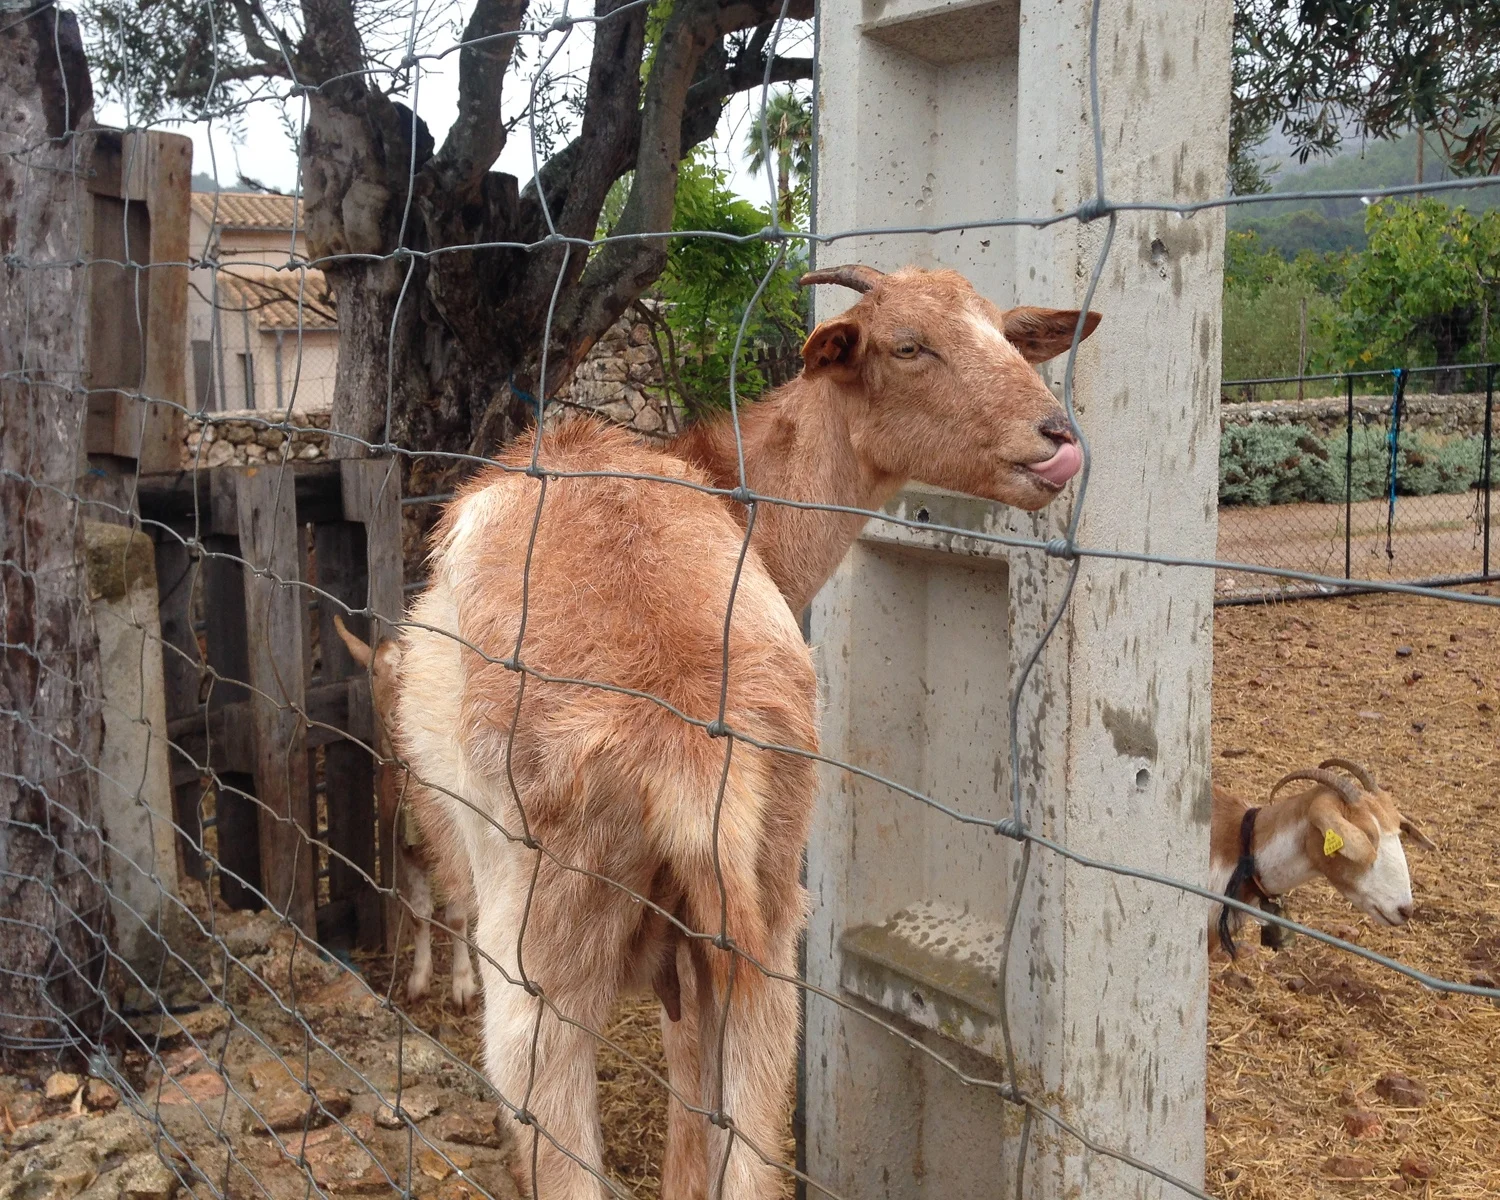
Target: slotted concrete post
(941, 113)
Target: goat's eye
(906, 350)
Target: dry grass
(1299, 1039)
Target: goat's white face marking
(1384, 891)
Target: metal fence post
(1349, 477)
(1486, 464)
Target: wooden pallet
(249, 708)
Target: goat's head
(383, 662)
(952, 398)
(1354, 835)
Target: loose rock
(62, 1085)
(1401, 1091)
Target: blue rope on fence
(1393, 445)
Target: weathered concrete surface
(135, 792)
(921, 635)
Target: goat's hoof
(416, 988)
(465, 997)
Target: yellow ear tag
(1332, 844)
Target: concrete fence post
(940, 113)
(135, 780)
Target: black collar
(1244, 880)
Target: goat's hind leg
(540, 1048)
(684, 1174)
(746, 1062)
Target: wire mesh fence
(1359, 485)
(247, 1021)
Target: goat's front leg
(456, 917)
(419, 892)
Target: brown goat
(568, 802)
(1346, 831)
(416, 864)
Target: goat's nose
(1404, 911)
(1058, 429)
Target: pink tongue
(1062, 466)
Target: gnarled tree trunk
(53, 910)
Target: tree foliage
(710, 284)
(1425, 289)
(1263, 298)
(1309, 66)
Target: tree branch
(246, 15)
(478, 134)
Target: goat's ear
(1414, 831)
(836, 347)
(1340, 836)
(358, 651)
(1043, 333)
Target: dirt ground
(1328, 1075)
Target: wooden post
(372, 496)
(235, 809)
(182, 674)
(348, 767)
(276, 623)
(140, 185)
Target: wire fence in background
(1353, 483)
(250, 1058)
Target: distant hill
(204, 183)
(1298, 225)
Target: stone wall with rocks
(241, 438)
(1459, 413)
(620, 379)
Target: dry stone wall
(621, 379)
(1459, 413)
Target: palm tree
(787, 122)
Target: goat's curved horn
(1344, 787)
(858, 278)
(1366, 780)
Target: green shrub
(1287, 464)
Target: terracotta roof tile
(248, 210)
(279, 300)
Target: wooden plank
(165, 163)
(276, 618)
(228, 655)
(183, 500)
(119, 315)
(328, 716)
(372, 496)
(348, 768)
(182, 675)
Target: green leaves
(1421, 290)
(710, 282)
